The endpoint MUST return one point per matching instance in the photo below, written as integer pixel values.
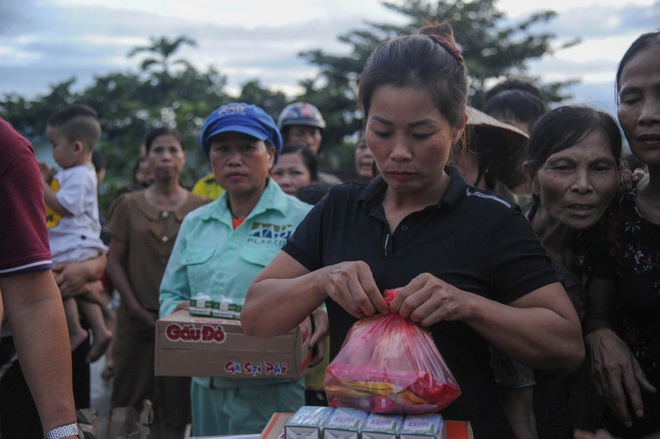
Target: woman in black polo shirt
(467, 264)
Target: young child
(72, 213)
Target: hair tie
(449, 47)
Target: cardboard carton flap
(201, 346)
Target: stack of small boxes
(203, 305)
(346, 423)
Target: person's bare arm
(518, 406)
(285, 292)
(76, 278)
(50, 198)
(616, 373)
(603, 434)
(34, 308)
(555, 343)
(321, 326)
(599, 434)
(94, 293)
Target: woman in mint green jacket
(220, 249)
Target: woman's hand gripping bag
(389, 364)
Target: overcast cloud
(44, 42)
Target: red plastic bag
(389, 364)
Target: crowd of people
(515, 234)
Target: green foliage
(271, 101)
(29, 116)
(161, 51)
(129, 104)
(169, 91)
(492, 46)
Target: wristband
(64, 431)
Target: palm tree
(162, 49)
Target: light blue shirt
(212, 257)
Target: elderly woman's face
(241, 163)
(576, 185)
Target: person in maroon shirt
(31, 298)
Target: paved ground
(100, 399)
(100, 396)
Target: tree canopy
(161, 51)
(167, 90)
(493, 48)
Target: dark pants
(18, 414)
(135, 380)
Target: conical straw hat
(506, 144)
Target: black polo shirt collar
(373, 193)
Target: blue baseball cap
(241, 118)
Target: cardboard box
(307, 423)
(344, 423)
(422, 427)
(275, 427)
(231, 436)
(459, 430)
(201, 346)
(453, 429)
(379, 426)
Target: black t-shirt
(471, 239)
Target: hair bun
(443, 30)
(443, 34)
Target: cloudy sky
(44, 42)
